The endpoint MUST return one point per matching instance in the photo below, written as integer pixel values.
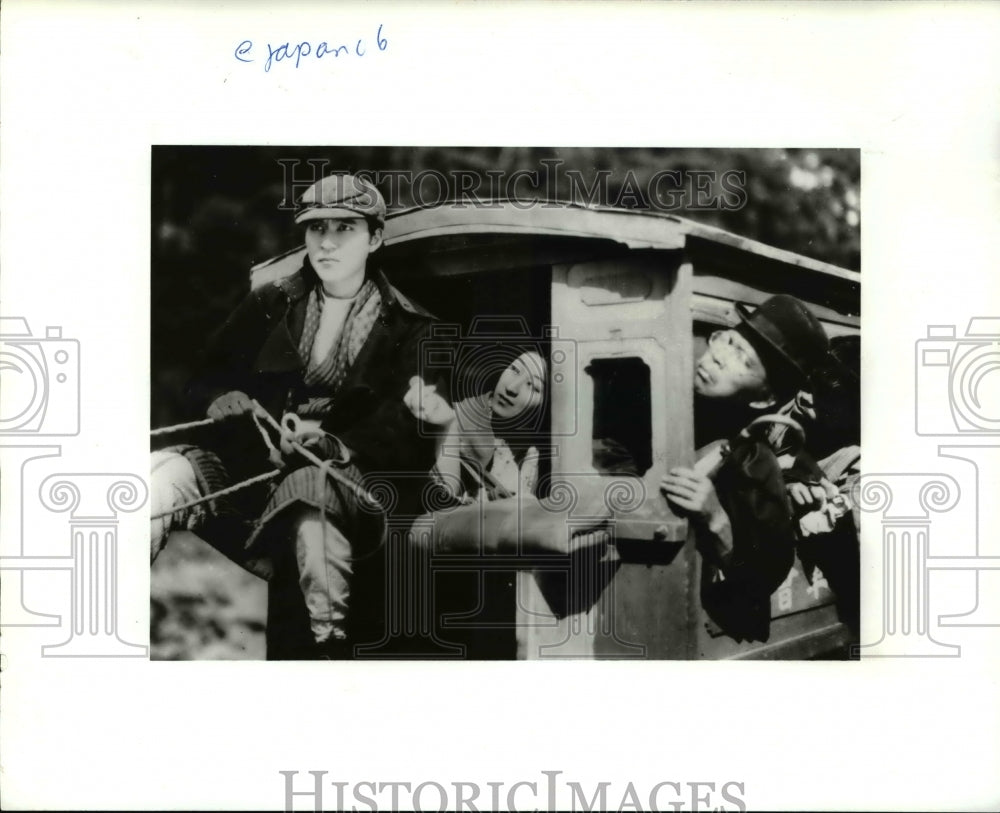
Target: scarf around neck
(328, 375)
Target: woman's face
(521, 387)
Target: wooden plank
(645, 609)
(633, 229)
(778, 255)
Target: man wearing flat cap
(335, 344)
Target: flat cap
(340, 196)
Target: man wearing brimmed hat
(741, 516)
(335, 344)
(761, 362)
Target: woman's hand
(426, 405)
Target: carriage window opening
(623, 425)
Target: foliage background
(215, 212)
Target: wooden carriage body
(623, 300)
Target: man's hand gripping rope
(295, 434)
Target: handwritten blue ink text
(299, 50)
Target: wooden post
(638, 601)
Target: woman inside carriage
(488, 442)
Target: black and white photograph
(504, 403)
(459, 406)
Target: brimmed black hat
(788, 338)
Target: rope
(180, 427)
(230, 490)
(273, 454)
(323, 465)
(276, 458)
